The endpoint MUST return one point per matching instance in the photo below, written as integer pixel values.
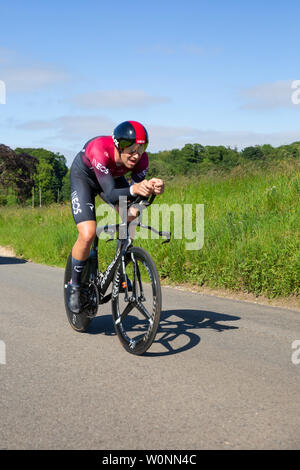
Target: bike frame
(104, 279)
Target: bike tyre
(146, 341)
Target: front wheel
(136, 319)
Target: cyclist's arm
(100, 163)
(111, 193)
(106, 181)
(138, 177)
(139, 185)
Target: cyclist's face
(131, 155)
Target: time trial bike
(135, 296)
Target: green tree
(43, 182)
(16, 173)
(52, 186)
(193, 153)
(267, 150)
(230, 157)
(66, 187)
(214, 154)
(253, 153)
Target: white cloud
(163, 137)
(67, 134)
(6, 55)
(117, 99)
(23, 74)
(269, 95)
(160, 49)
(30, 78)
(75, 130)
(193, 49)
(186, 49)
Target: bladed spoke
(125, 312)
(142, 309)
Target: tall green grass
(251, 237)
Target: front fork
(136, 279)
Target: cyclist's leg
(83, 193)
(83, 210)
(86, 234)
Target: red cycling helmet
(128, 133)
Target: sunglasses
(135, 148)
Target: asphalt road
(221, 375)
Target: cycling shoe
(73, 298)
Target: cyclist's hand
(144, 188)
(132, 213)
(157, 185)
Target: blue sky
(212, 72)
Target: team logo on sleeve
(142, 174)
(100, 167)
(139, 176)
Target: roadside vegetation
(251, 224)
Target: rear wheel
(89, 298)
(136, 321)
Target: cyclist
(99, 168)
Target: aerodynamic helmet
(129, 133)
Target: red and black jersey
(98, 154)
(97, 163)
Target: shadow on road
(103, 324)
(11, 260)
(178, 329)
